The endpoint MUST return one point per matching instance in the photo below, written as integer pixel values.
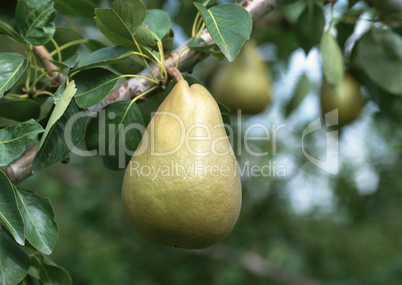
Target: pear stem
(174, 73)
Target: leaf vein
(17, 69)
(97, 87)
(217, 29)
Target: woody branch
(21, 168)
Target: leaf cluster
(49, 106)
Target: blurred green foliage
(357, 242)
(349, 237)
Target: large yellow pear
(245, 83)
(182, 186)
(349, 103)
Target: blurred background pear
(245, 83)
(349, 103)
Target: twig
(21, 168)
(45, 58)
(257, 265)
(187, 58)
(173, 72)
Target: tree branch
(173, 72)
(257, 265)
(186, 58)
(21, 168)
(45, 58)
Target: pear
(182, 186)
(245, 83)
(349, 103)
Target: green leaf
(229, 25)
(46, 106)
(199, 44)
(352, 3)
(167, 40)
(122, 24)
(13, 139)
(104, 56)
(193, 80)
(217, 54)
(30, 280)
(332, 61)
(35, 20)
(158, 21)
(205, 2)
(281, 36)
(113, 28)
(310, 26)
(9, 214)
(144, 36)
(397, 30)
(37, 212)
(76, 8)
(62, 36)
(185, 22)
(116, 133)
(14, 263)
(69, 63)
(59, 92)
(344, 31)
(129, 65)
(59, 110)
(64, 135)
(346, 26)
(225, 113)
(131, 12)
(7, 27)
(299, 93)
(19, 110)
(94, 45)
(286, 2)
(49, 272)
(149, 106)
(380, 55)
(93, 86)
(59, 64)
(13, 66)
